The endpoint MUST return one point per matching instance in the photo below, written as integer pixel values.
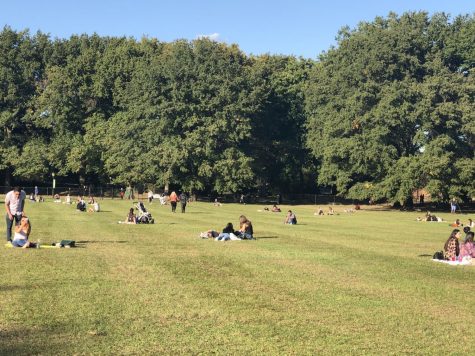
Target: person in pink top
(173, 200)
(467, 248)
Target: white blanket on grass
(464, 262)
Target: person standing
(14, 204)
(183, 201)
(453, 206)
(37, 192)
(173, 200)
(150, 196)
(122, 193)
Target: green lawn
(359, 283)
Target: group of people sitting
(458, 249)
(320, 211)
(36, 198)
(457, 223)
(245, 232)
(430, 217)
(81, 204)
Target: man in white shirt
(14, 204)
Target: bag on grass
(439, 255)
(70, 243)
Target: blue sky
(299, 27)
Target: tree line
(388, 109)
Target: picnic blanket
(9, 245)
(456, 263)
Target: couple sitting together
(245, 231)
(456, 250)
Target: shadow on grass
(424, 255)
(19, 342)
(12, 288)
(102, 242)
(267, 237)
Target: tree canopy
(391, 109)
(388, 110)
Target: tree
(386, 111)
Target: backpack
(439, 255)
(69, 243)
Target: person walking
(14, 205)
(183, 201)
(173, 200)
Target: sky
(294, 27)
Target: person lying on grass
(22, 232)
(430, 217)
(209, 234)
(227, 234)
(246, 230)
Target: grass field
(360, 283)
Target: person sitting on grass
(456, 223)
(275, 209)
(471, 224)
(319, 212)
(131, 218)
(467, 248)
(81, 205)
(22, 232)
(57, 198)
(290, 219)
(331, 211)
(451, 247)
(95, 208)
(246, 230)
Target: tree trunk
(8, 179)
